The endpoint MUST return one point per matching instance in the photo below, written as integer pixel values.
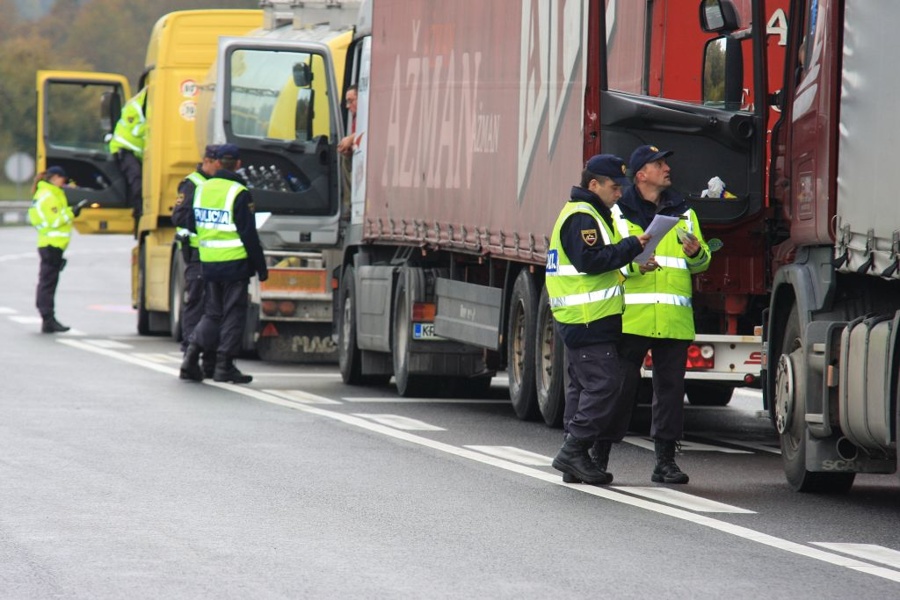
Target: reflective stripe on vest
(673, 299)
(214, 215)
(193, 239)
(577, 297)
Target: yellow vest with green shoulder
(659, 304)
(180, 232)
(51, 216)
(577, 297)
(217, 233)
(131, 127)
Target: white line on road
(159, 357)
(401, 422)
(871, 552)
(682, 500)
(518, 455)
(106, 343)
(647, 443)
(398, 400)
(5, 310)
(551, 478)
(302, 397)
(29, 320)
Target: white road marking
(29, 320)
(105, 343)
(871, 552)
(518, 455)
(158, 357)
(400, 422)
(399, 400)
(8, 257)
(647, 443)
(551, 478)
(5, 310)
(297, 375)
(302, 397)
(682, 500)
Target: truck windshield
(279, 95)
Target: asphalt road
(119, 480)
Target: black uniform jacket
(590, 255)
(230, 270)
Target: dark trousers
(669, 360)
(194, 293)
(592, 392)
(132, 170)
(221, 327)
(52, 262)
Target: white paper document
(659, 227)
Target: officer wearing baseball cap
(658, 296)
(192, 305)
(230, 254)
(583, 282)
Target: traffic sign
(19, 167)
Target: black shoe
(190, 366)
(666, 471)
(573, 459)
(208, 362)
(51, 325)
(600, 455)
(227, 372)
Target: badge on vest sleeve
(589, 236)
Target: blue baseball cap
(608, 165)
(55, 170)
(228, 151)
(645, 154)
(210, 151)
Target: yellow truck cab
(77, 112)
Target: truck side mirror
(718, 16)
(302, 75)
(723, 73)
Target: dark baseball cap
(55, 170)
(645, 154)
(228, 151)
(210, 151)
(608, 165)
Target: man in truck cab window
(658, 306)
(584, 284)
(127, 145)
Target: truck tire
(407, 385)
(176, 294)
(549, 365)
(790, 400)
(349, 356)
(143, 315)
(521, 333)
(703, 393)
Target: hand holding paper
(658, 228)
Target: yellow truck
(77, 112)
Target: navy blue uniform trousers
(592, 391)
(224, 314)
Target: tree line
(96, 35)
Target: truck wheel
(702, 393)
(176, 294)
(143, 315)
(520, 335)
(550, 366)
(349, 358)
(407, 385)
(790, 410)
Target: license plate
(424, 331)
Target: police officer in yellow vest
(658, 306)
(192, 306)
(230, 254)
(127, 144)
(51, 216)
(584, 284)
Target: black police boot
(226, 371)
(190, 366)
(666, 471)
(573, 459)
(600, 455)
(51, 325)
(209, 364)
